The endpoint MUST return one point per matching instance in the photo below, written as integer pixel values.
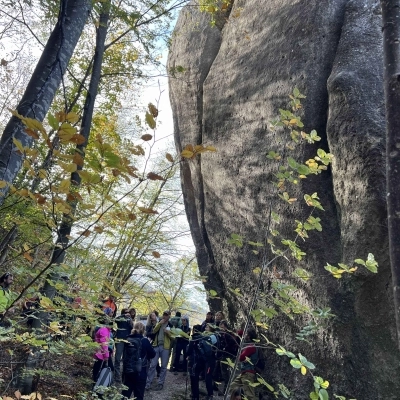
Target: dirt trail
(175, 389)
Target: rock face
(237, 75)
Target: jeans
(136, 383)
(119, 352)
(164, 355)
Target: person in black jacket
(135, 380)
(197, 362)
(181, 345)
(124, 327)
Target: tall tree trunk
(391, 48)
(43, 84)
(65, 227)
(6, 242)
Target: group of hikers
(202, 352)
(135, 353)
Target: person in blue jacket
(135, 380)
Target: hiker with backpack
(162, 346)
(249, 358)
(228, 350)
(181, 345)
(152, 320)
(201, 352)
(102, 356)
(137, 351)
(124, 328)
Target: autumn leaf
(3, 184)
(187, 154)
(146, 137)
(156, 254)
(78, 159)
(85, 233)
(153, 110)
(78, 139)
(169, 157)
(154, 177)
(32, 133)
(147, 210)
(131, 216)
(72, 117)
(98, 229)
(40, 199)
(28, 256)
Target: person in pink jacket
(102, 357)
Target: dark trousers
(99, 365)
(194, 377)
(180, 347)
(136, 384)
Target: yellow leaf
(187, 154)
(72, 117)
(303, 370)
(45, 302)
(42, 174)
(169, 157)
(3, 184)
(66, 132)
(18, 145)
(23, 192)
(34, 124)
(64, 186)
(146, 137)
(150, 120)
(211, 148)
(68, 167)
(156, 254)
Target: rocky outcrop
(236, 76)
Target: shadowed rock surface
(237, 75)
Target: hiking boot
(159, 387)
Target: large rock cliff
(237, 74)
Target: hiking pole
(187, 377)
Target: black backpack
(205, 348)
(259, 366)
(132, 355)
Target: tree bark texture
(43, 84)
(237, 75)
(391, 52)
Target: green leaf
(314, 396)
(323, 394)
(53, 122)
(150, 121)
(359, 261)
(295, 363)
(292, 163)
